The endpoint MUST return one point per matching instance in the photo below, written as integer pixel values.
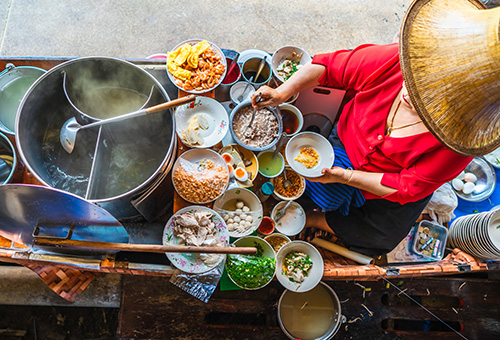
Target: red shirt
(415, 165)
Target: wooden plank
(476, 305)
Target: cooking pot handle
(9, 67)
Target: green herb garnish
(250, 271)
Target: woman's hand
(270, 97)
(333, 175)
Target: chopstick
(146, 248)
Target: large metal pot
(112, 165)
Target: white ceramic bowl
(315, 273)
(294, 220)
(211, 110)
(279, 158)
(276, 236)
(237, 90)
(318, 143)
(494, 158)
(278, 182)
(250, 200)
(190, 161)
(216, 50)
(297, 113)
(252, 241)
(285, 52)
(192, 263)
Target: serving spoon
(286, 182)
(67, 136)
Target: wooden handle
(145, 248)
(171, 104)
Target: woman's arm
(367, 181)
(306, 77)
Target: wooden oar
(144, 248)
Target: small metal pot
(14, 83)
(330, 333)
(10, 165)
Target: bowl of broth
(292, 119)
(270, 167)
(315, 314)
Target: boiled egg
(231, 169)
(241, 174)
(457, 184)
(468, 188)
(470, 177)
(228, 158)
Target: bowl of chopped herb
(287, 60)
(299, 266)
(252, 272)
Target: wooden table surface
(152, 308)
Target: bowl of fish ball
(299, 266)
(252, 272)
(287, 60)
(477, 182)
(262, 134)
(200, 176)
(308, 153)
(196, 66)
(290, 188)
(241, 210)
(277, 240)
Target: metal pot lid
(54, 213)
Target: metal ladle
(259, 99)
(5, 170)
(71, 127)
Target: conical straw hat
(450, 57)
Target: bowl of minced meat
(264, 132)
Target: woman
(396, 162)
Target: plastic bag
(442, 204)
(200, 181)
(201, 286)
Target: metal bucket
(14, 83)
(8, 155)
(112, 165)
(301, 306)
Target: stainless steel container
(14, 83)
(9, 159)
(120, 166)
(302, 307)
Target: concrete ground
(136, 29)
(133, 29)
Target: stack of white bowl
(477, 234)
